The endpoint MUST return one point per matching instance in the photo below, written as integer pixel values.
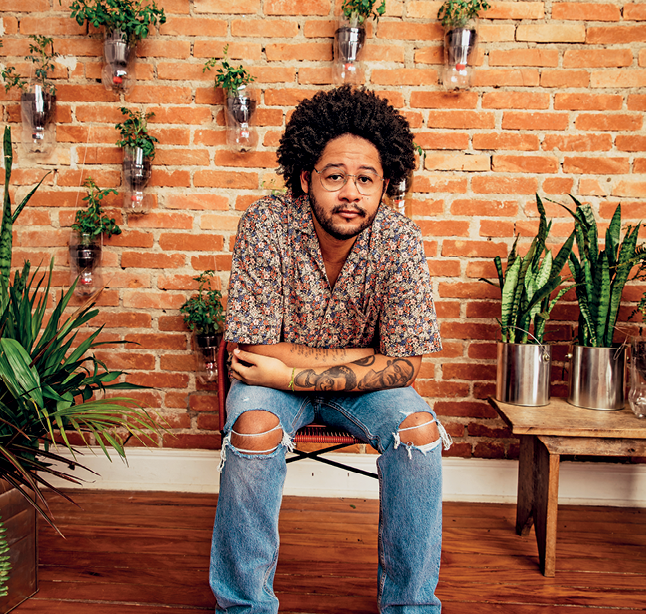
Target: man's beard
(340, 232)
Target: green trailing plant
(358, 11)
(457, 13)
(203, 313)
(132, 17)
(42, 55)
(51, 383)
(92, 220)
(601, 275)
(134, 132)
(528, 283)
(227, 77)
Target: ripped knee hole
(256, 432)
(419, 429)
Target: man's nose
(350, 189)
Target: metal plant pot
(19, 521)
(136, 169)
(349, 42)
(523, 374)
(597, 377)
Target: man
(331, 309)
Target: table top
(559, 418)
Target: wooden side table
(547, 432)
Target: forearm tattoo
(397, 373)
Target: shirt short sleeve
(255, 303)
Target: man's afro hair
(345, 110)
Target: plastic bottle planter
(459, 51)
(85, 263)
(348, 51)
(119, 71)
(206, 353)
(398, 196)
(136, 173)
(37, 110)
(239, 110)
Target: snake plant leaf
(600, 297)
(501, 277)
(586, 332)
(613, 235)
(562, 257)
(508, 294)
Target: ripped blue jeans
(244, 550)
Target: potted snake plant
(350, 38)
(38, 97)
(204, 316)
(138, 153)
(240, 101)
(459, 18)
(598, 363)
(125, 22)
(530, 288)
(51, 392)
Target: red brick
(558, 185)
(524, 57)
(577, 142)
(489, 449)
(190, 242)
(588, 102)
(636, 102)
(194, 26)
(227, 6)
(614, 78)
(597, 58)
(462, 120)
(296, 7)
(39, 23)
(438, 389)
(586, 11)
(397, 30)
(615, 35)
(515, 10)
(525, 164)
(484, 208)
(504, 185)
(625, 142)
(412, 76)
(505, 141)
(614, 122)
(515, 100)
(468, 371)
(490, 228)
(160, 94)
(506, 78)
(565, 78)
(596, 166)
(551, 33)
(517, 120)
(465, 409)
(225, 179)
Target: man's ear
(305, 181)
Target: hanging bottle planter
(240, 113)
(138, 153)
(203, 314)
(85, 263)
(125, 22)
(348, 53)
(350, 37)
(86, 241)
(136, 173)
(38, 98)
(37, 107)
(460, 21)
(119, 53)
(240, 102)
(398, 195)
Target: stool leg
(546, 508)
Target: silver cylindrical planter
(597, 377)
(523, 374)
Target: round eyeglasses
(367, 182)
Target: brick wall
(557, 108)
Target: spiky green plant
(51, 384)
(601, 275)
(527, 285)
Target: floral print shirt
(279, 291)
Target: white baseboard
(481, 480)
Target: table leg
(546, 492)
(526, 485)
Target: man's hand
(258, 370)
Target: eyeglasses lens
(367, 183)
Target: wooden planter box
(19, 520)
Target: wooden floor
(147, 553)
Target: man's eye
(335, 178)
(365, 179)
